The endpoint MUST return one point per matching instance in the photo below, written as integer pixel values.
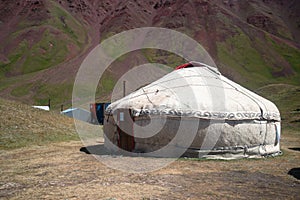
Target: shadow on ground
(295, 172)
(295, 148)
(98, 149)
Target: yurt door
(125, 129)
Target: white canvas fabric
(250, 124)
(78, 113)
(200, 92)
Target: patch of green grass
(14, 58)
(106, 84)
(256, 60)
(286, 97)
(57, 93)
(52, 48)
(64, 21)
(18, 140)
(21, 90)
(106, 35)
(4, 83)
(239, 53)
(292, 55)
(21, 126)
(49, 51)
(284, 31)
(163, 57)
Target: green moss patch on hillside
(239, 53)
(58, 93)
(286, 97)
(21, 90)
(49, 51)
(163, 57)
(14, 58)
(290, 54)
(260, 61)
(38, 45)
(106, 84)
(64, 21)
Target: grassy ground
(21, 126)
(61, 171)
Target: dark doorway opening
(125, 122)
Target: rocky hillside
(43, 42)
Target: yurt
(195, 111)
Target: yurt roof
(199, 91)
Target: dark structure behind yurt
(97, 112)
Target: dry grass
(61, 171)
(22, 125)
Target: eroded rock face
(260, 21)
(32, 10)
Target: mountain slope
(37, 36)
(42, 43)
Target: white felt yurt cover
(249, 123)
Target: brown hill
(42, 43)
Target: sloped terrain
(22, 125)
(36, 36)
(42, 43)
(286, 97)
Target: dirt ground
(62, 171)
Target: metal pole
(124, 88)
(49, 103)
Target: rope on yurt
(253, 99)
(147, 96)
